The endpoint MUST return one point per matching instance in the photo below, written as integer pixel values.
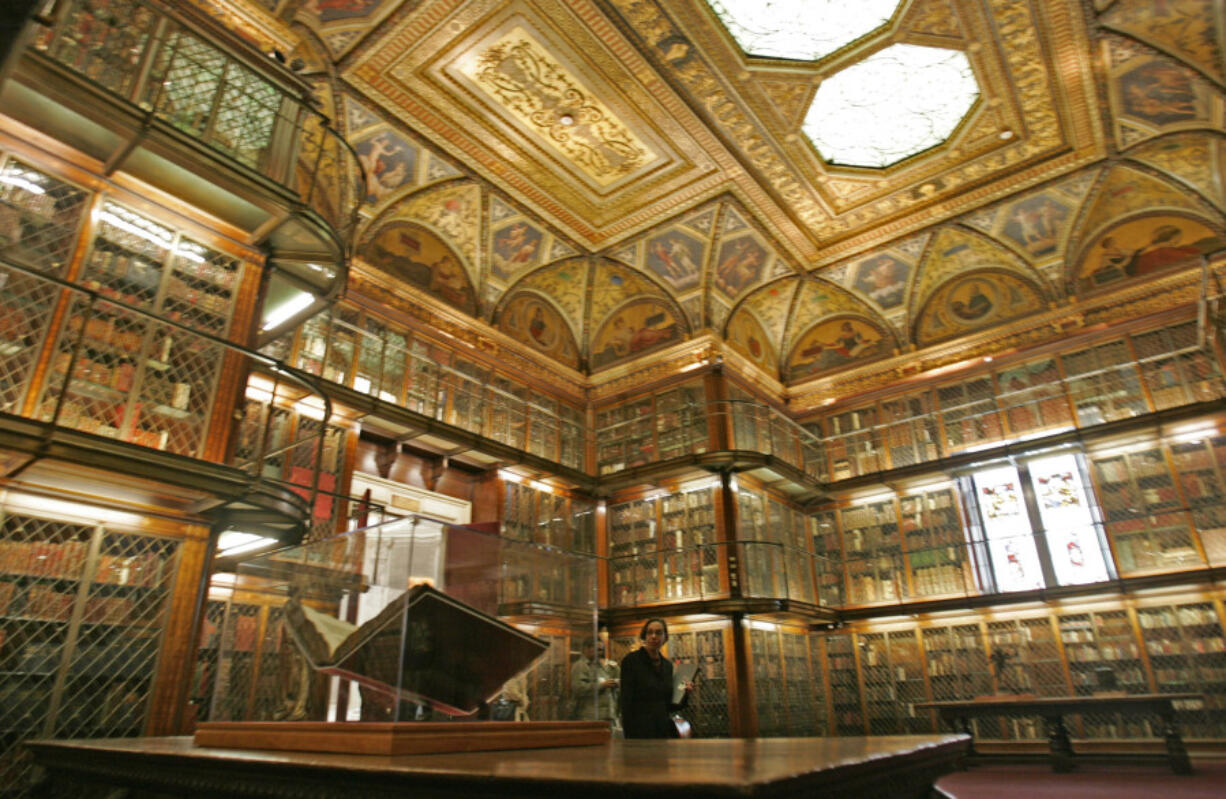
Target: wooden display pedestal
(399, 738)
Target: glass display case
(412, 619)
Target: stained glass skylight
(801, 29)
(893, 104)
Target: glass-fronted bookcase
(665, 545)
(357, 349)
(1095, 381)
(655, 426)
(113, 367)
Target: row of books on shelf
(121, 376)
(934, 580)
(1192, 646)
(1185, 616)
(944, 664)
(1185, 676)
(43, 558)
(1132, 676)
(1083, 653)
(66, 559)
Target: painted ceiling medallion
(517, 73)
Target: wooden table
(884, 767)
(1053, 709)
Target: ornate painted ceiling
(601, 179)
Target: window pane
(1076, 555)
(1015, 561)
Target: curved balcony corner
(165, 95)
(123, 396)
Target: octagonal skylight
(893, 104)
(800, 29)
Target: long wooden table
(884, 767)
(1053, 709)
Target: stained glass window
(1006, 525)
(1072, 539)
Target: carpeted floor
(1089, 781)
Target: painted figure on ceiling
(740, 265)
(971, 304)
(1035, 224)
(516, 247)
(388, 163)
(1144, 247)
(1158, 92)
(332, 10)
(634, 330)
(675, 257)
(884, 278)
(834, 344)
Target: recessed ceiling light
(566, 119)
(1005, 135)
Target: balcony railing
(767, 570)
(233, 100)
(1101, 384)
(122, 372)
(760, 428)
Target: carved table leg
(1060, 745)
(1180, 763)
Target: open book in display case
(403, 637)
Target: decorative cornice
(1058, 323)
(373, 290)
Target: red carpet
(1089, 781)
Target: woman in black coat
(647, 687)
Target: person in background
(593, 684)
(647, 686)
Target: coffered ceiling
(668, 112)
(603, 179)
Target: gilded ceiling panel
(633, 329)
(835, 344)
(770, 306)
(547, 101)
(1186, 29)
(533, 320)
(1125, 191)
(1037, 223)
(816, 301)
(566, 284)
(746, 334)
(1196, 159)
(454, 211)
(1140, 248)
(976, 300)
(1021, 100)
(954, 251)
(1151, 95)
(614, 285)
(882, 278)
(517, 72)
(340, 23)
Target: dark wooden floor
(1089, 781)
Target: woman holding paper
(647, 687)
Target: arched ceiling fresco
(601, 179)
